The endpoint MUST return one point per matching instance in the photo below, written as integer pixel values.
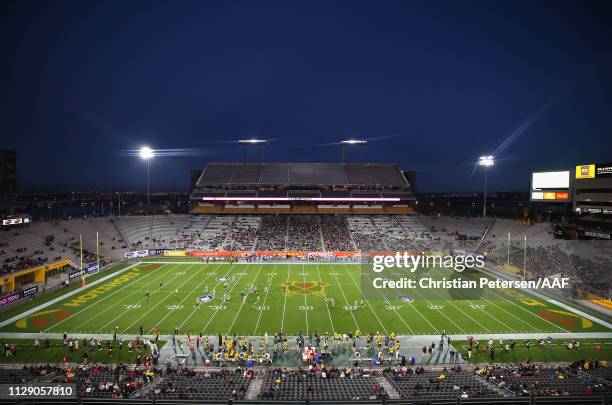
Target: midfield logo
(300, 287)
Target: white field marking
(219, 283)
(127, 310)
(305, 301)
(370, 306)
(103, 298)
(211, 273)
(419, 313)
(242, 303)
(276, 262)
(442, 312)
(347, 304)
(529, 326)
(147, 312)
(265, 298)
(285, 302)
(325, 298)
(217, 310)
(510, 329)
(159, 276)
(526, 310)
(196, 273)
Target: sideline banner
(17, 295)
(89, 270)
(137, 253)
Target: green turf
(303, 309)
(557, 351)
(27, 353)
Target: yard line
(419, 313)
(347, 303)
(127, 310)
(265, 298)
(213, 272)
(325, 298)
(528, 311)
(219, 307)
(305, 301)
(442, 312)
(119, 301)
(100, 300)
(242, 304)
(370, 306)
(219, 282)
(162, 300)
(486, 312)
(285, 302)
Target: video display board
(551, 186)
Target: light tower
(350, 142)
(147, 154)
(247, 142)
(485, 162)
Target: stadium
(232, 202)
(265, 279)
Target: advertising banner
(175, 253)
(137, 253)
(585, 171)
(89, 270)
(17, 295)
(9, 299)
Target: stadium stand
(336, 236)
(441, 384)
(243, 234)
(272, 233)
(202, 385)
(304, 233)
(301, 174)
(539, 380)
(365, 234)
(320, 384)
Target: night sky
(432, 84)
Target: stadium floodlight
(146, 153)
(350, 142)
(485, 162)
(252, 141)
(354, 142)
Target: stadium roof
(303, 174)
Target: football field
(293, 298)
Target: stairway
(389, 389)
(254, 389)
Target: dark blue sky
(451, 80)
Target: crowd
(587, 272)
(540, 380)
(304, 233)
(272, 233)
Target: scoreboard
(551, 186)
